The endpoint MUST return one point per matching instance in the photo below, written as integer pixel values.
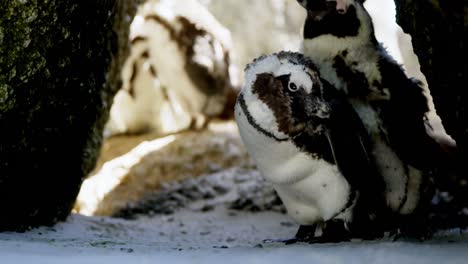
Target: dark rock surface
(54, 101)
(438, 30)
(124, 13)
(237, 189)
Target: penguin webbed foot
(303, 234)
(333, 231)
(336, 231)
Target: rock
(237, 189)
(53, 104)
(400, 47)
(438, 34)
(179, 72)
(124, 12)
(134, 167)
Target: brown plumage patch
(165, 93)
(135, 69)
(185, 39)
(131, 91)
(164, 23)
(270, 91)
(145, 54)
(208, 82)
(138, 39)
(153, 71)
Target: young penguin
(339, 37)
(312, 146)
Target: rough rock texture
(400, 47)
(237, 189)
(438, 33)
(133, 167)
(124, 11)
(54, 57)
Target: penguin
(310, 144)
(339, 38)
(179, 74)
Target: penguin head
(329, 6)
(282, 95)
(342, 18)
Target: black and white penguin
(311, 145)
(179, 73)
(339, 38)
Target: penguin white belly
(312, 189)
(320, 196)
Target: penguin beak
(320, 8)
(341, 6)
(316, 109)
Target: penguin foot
(306, 233)
(303, 234)
(336, 231)
(333, 231)
(286, 241)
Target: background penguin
(339, 37)
(179, 73)
(312, 146)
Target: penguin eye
(293, 87)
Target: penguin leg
(336, 231)
(333, 231)
(417, 225)
(305, 233)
